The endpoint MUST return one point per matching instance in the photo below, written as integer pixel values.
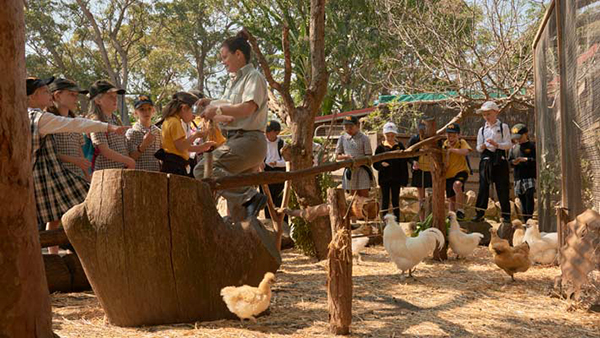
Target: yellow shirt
(456, 163)
(172, 130)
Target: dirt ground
(462, 298)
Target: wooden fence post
(339, 265)
(438, 199)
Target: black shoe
(460, 216)
(255, 205)
(478, 218)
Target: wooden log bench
(156, 251)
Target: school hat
(103, 86)
(64, 84)
(185, 97)
(33, 83)
(350, 120)
(487, 106)
(518, 130)
(390, 127)
(453, 128)
(141, 100)
(273, 126)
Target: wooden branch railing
(236, 181)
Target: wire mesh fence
(567, 84)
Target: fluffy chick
(462, 244)
(519, 232)
(248, 301)
(510, 259)
(407, 252)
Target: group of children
(499, 146)
(61, 168)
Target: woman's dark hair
(239, 42)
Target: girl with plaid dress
(65, 94)
(144, 138)
(56, 188)
(110, 149)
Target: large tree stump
(24, 302)
(339, 266)
(156, 251)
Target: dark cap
(350, 120)
(197, 93)
(33, 83)
(453, 128)
(518, 130)
(185, 97)
(103, 86)
(273, 126)
(64, 84)
(141, 100)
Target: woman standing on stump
(246, 146)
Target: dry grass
(463, 298)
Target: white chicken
(358, 245)
(407, 252)
(542, 249)
(462, 244)
(248, 301)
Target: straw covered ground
(463, 298)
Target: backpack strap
(280, 145)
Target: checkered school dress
(135, 136)
(356, 146)
(70, 144)
(115, 142)
(56, 188)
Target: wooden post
(339, 266)
(438, 199)
(24, 300)
(276, 216)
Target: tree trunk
(307, 189)
(438, 199)
(24, 302)
(156, 251)
(339, 266)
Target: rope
(461, 204)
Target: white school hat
(487, 106)
(390, 127)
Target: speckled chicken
(246, 301)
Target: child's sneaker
(460, 215)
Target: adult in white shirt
(493, 140)
(274, 161)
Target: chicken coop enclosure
(567, 106)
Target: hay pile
(454, 298)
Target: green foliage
(300, 229)
(426, 224)
(404, 115)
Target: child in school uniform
(493, 140)
(176, 145)
(421, 169)
(56, 188)
(65, 96)
(457, 169)
(522, 157)
(144, 138)
(111, 150)
(393, 174)
(353, 143)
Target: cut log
(339, 265)
(53, 237)
(156, 251)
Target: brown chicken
(510, 259)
